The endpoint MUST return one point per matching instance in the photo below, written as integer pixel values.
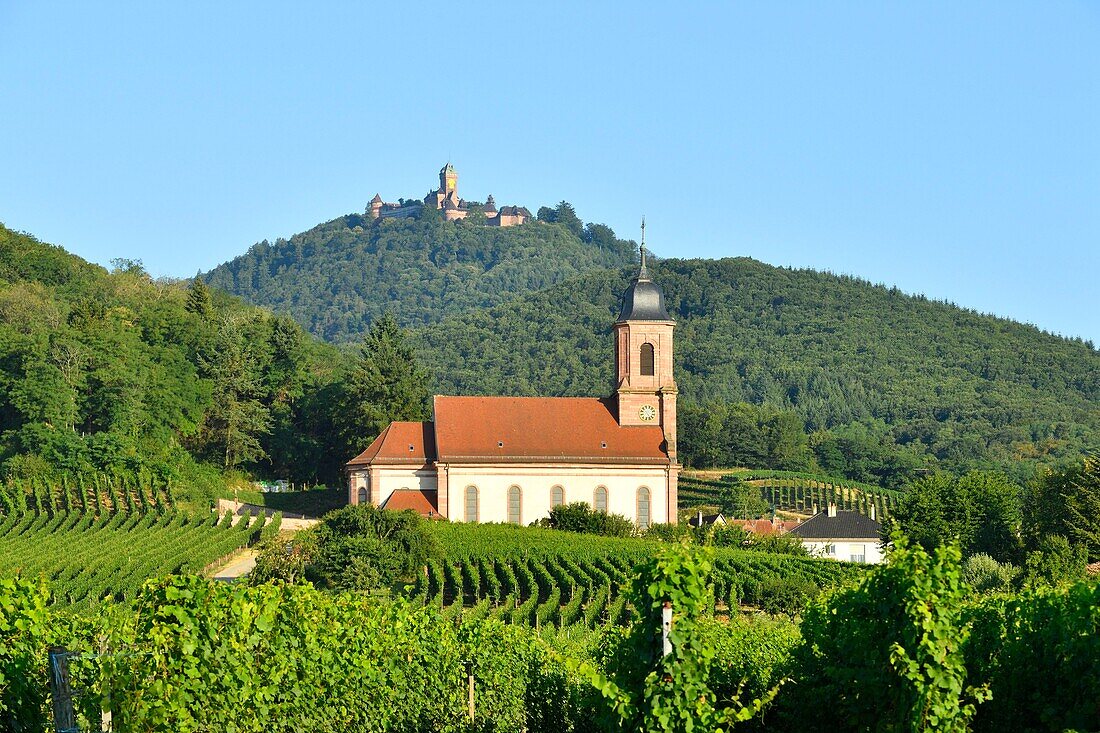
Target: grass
(315, 503)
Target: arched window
(470, 514)
(362, 494)
(647, 360)
(515, 505)
(643, 508)
(557, 496)
(601, 499)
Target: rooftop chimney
(832, 510)
(872, 512)
(700, 517)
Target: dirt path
(237, 566)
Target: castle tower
(376, 207)
(644, 384)
(448, 181)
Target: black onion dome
(643, 300)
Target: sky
(950, 149)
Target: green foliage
(1055, 561)
(237, 418)
(288, 658)
(339, 277)
(1066, 502)
(357, 547)
(886, 654)
(1040, 652)
(537, 576)
(980, 510)
(118, 374)
(984, 574)
(24, 629)
(739, 500)
(649, 689)
(385, 384)
(92, 558)
(199, 301)
(578, 516)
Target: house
(706, 520)
(842, 535)
(512, 459)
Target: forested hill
(336, 278)
(114, 373)
(899, 374)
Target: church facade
(512, 459)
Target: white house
(842, 535)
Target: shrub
(580, 517)
(1055, 561)
(984, 574)
(357, 547)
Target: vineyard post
(470, 690)
(666, 628)
(64, 715)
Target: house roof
(416, 500)
(541, 429)
(767, 526)
(706, 519)
(377, 199)
(400, 442)
(845, 525)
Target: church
(512, 459)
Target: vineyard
(99, 494)
(90, 557)
(539, 577)
(792, 492)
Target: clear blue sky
(950, 149)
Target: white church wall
(537, 482)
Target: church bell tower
(644, 385)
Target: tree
(386, 384)
(198, 299)
(565, 215)
(1080, 489)
(980, 511)
(740, 500)
(236, 418)
(358, 547)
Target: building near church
(842, 535)
(447, 200)
(511, 459)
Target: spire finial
(643, 273)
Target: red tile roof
(421, 502)
(541, 429)
(400, 442)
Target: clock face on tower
(647, 413)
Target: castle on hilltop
(446, 199)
